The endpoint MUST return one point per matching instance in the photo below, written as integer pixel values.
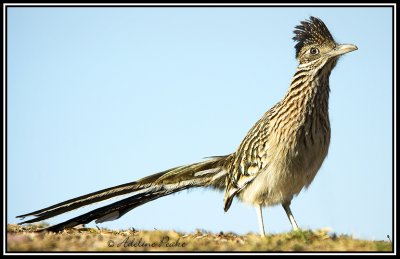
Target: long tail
(209, 173)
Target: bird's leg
(260, 220)
(286, 207)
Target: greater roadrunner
(279, 156)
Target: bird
(280, 155)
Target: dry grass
(90, 239)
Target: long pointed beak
(343, 49)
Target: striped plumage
(279, 156)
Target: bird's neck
(309, 89)
(306, 102)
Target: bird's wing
(242, 174)
(248, 161)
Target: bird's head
(315, 42)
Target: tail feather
(207, 173)
(112, 211)
(87, 199)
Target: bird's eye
(314, 51)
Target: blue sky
(102, 96)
